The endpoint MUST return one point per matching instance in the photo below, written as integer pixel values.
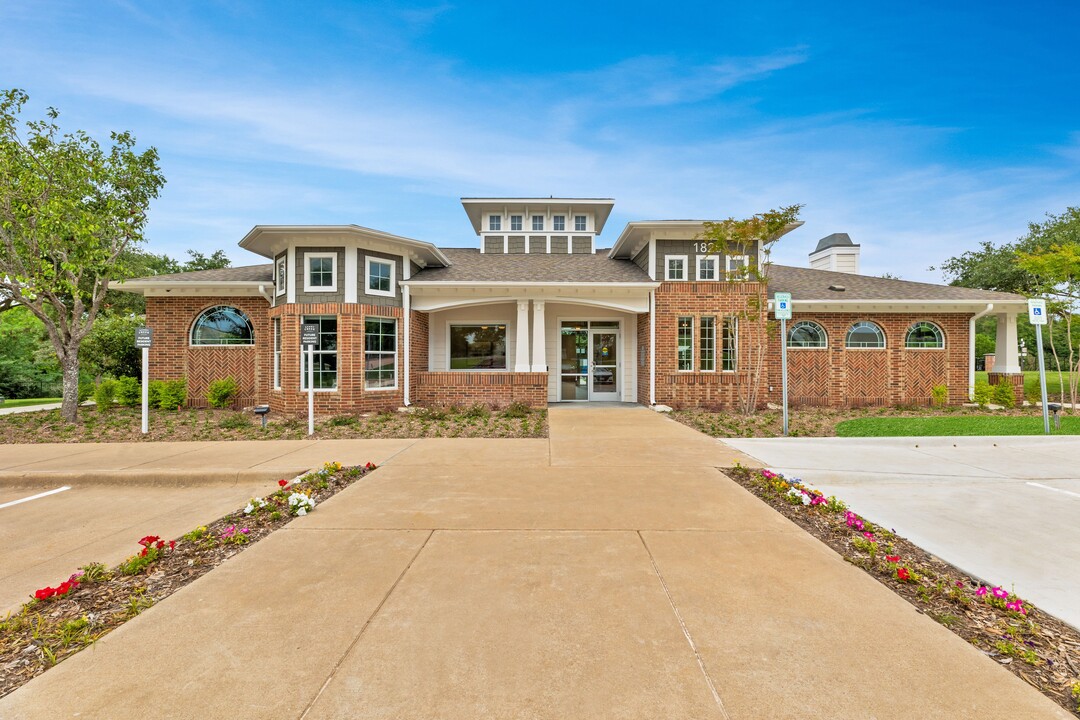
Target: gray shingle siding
(582, 244)
(558, 244)
(301, 269)
(493, 244)
(361, 279)
(516, 244)
(689, 248)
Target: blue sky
(920, 131)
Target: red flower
(282, 483)
(160, 545)
(149, 540)
(893, 558)
(370, 466)
(143, 553)
(903, 574)
(65, 587)
(45, 593)
(172, 545)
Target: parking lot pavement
(1001, 508)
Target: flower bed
(1041, 649)
(59, 621)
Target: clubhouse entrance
(589, 360)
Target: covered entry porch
(527, 344)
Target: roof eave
(250, 241)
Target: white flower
(301, 511)
(249, 509)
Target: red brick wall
(418, 340)
(493, 388)
(643, 370)
(172, 356)
(717, 389)
(350, 395)
(837, 376)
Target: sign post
(143, 340)
(1037, 317)
(309, 337)
(782, 311)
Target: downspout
(406, 302)
(652, 347)
(971, 349)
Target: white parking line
(1032, 484)
(35, 497)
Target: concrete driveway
(608, 572)
(1001, 508)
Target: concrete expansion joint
(363, 629)
(685, 631)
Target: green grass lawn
(980, 425)
(23, 402)
(1031, 383)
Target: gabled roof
(246, 280)
(246, 273)
(469, 265)
(806, 284)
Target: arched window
(865, 334)
(222, 325)
(807, 334)
(924, 335)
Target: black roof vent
(837, 288)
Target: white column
(290, 274)
(1007, 348)
(521, 354)
(407, 319)
(539, 341)
(652, 346)
(352, 281)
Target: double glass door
(589, 360)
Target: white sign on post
(782, 312)
(309, 338)
(144, 338)
(1037, 311)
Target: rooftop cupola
(538, 225)
(837, 253)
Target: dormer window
(558, 223)
(494, 222)
(579, 223)
(515, 222)
(321, 275)
(538, 223)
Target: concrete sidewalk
(609, 572)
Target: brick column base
(1017, 380)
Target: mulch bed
(124, 424)
(1037, 647)
(46, 631)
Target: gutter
(262, 291)
(971, 349)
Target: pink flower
(959, 583)
(245, 530)
(1015, 606)
(999, 593)
(818, 500)
(981, 591)
(869, 536)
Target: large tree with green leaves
(69, 211)
(754, 237)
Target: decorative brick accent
(493, 388)
(840, 377)
(1017, 380)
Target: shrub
(128, 391)
(1004, 394)
(982, 392)
(235, 421)
(172, 394)
(939, 394)
(86, 389)
(477, 411)
(222, 392)
(343, 421)
(517, 409)
(104, 394)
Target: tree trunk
(70, 407)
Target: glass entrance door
(604, 380)
(589, 360)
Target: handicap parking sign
(1037, 311)
(782, 306)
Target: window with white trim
(494, 222)
(380, 353)
(325, 354)
(924, 335)
(685, 343)
(706, 268)
(281, 278)
(277, 353)
(321, 272)
(707, 344)
(580, 223)
(222, 325)
(865, 335)
(477, 347)
(380, 276)
(674, 267)
(738, 266)
(807, 334)
(558, 223)
(515, 222)
(729, 344)
(537, 222)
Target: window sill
(380, 293)
(381, 389)
(332, 289)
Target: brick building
(537, 314)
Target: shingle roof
(834, 240)
(469, 265)
(248, 273)
(806, 284)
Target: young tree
(754, 237)
(69, 210)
